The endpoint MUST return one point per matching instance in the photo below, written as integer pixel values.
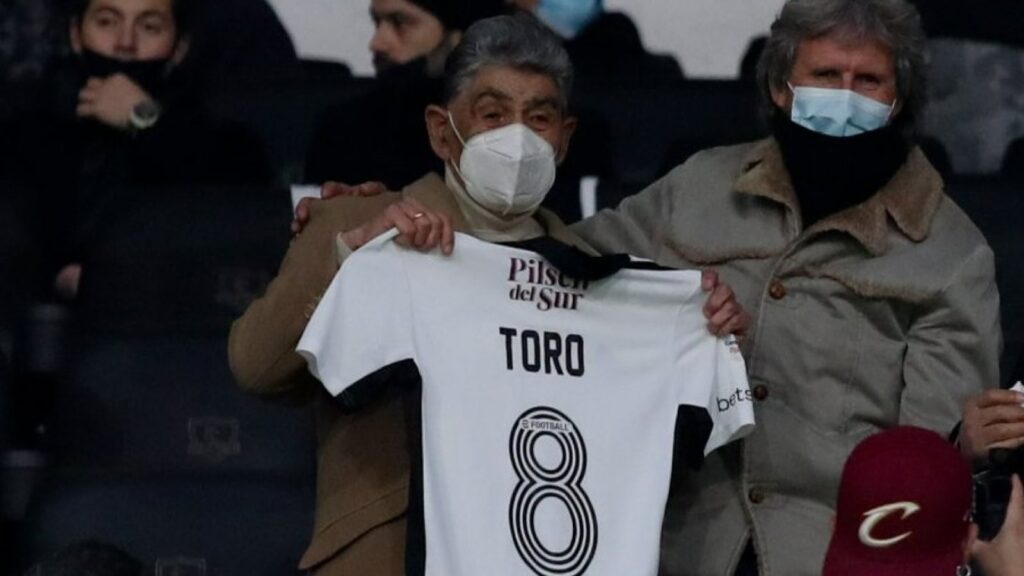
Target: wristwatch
(144, 115)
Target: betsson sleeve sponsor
(730, 404)
(364, 320)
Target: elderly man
(874, 295)
(507, 88)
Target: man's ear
(181, 50)
(970, 542)
(455, 38)
(75, 35)
(783, 99)
(568, 129)
(441, 137)
(896, 109)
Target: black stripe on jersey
(693, 430)
(579, 265)
(372, 387)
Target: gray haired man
(873, 294)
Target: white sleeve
(363, 322)
(730, 403)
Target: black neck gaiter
(150, 75)
(829, 173)
(414, 70)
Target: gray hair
(894, 23)
(515, 41)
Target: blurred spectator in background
(116, 117)
(976, 92)
(381, 135)
(29, 39)
(976, 101)
(604, 46)
(89, 559)
(903, 508)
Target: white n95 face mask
(836, 112)
(508, 170)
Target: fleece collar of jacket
(910, 199)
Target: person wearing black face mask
(380, 135)
(874, 295)
(115, 119)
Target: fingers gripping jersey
(549, 404)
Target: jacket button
(760, 392)
(756, 495)
(777, 290)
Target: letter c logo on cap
(876, 515)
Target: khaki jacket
(884, 314)
(363, 463)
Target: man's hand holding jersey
(425, 230)
(417, 226)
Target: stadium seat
(170, 405)
(148, 387)
(183, 260)
(153, 446)
(195, 526)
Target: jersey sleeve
(364, 321)
(731, 404)
(716, 381)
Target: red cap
(903, 507)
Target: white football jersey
(549, 404)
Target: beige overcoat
(363, 457)
(884, 314)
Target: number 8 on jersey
(560, 480)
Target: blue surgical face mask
(568, 17)
(835, 112)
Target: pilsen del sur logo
(545, 286)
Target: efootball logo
(557, 475)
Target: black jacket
(75, 169)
